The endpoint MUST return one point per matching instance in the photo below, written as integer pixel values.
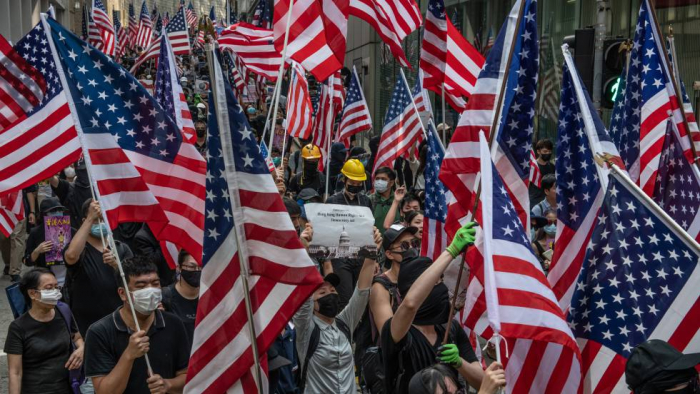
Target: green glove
(449, 354)
(465, 236)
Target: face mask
(276, 161)
(435, 309)
(546, 156)
(146, 300)
(50, 297)
(201, 132)
(409, 254)
(251, 111)
(69, 171)
(191, 277)
(328, 305)
(550, 229)
(99, 230)
(354, 189)
(380, 185)
(310, 168)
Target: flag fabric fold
(254, 47)
(356, 117)
(299, 110)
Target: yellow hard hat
(353, 169)
(310, 151)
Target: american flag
(191, 15)
(447, 59)
(133, 27)
(356, 117)
(266, 156)
(299, 110)
(687, 106)
(421, 97)
(232, 16)
(490, 41)
(159, 27)
(142, 170)
(104, 25)
(263, 15)
(199, 42)
(262, 247)
(393, 20)
(677, 188)
(639, 283)
(521, 306)
(580, 183)
(549, 83)
(309, 42)
(212, 15)
(21, 86)
(234, 74)
(535, 173)
(121, 32)
(44, 142)
(321, 133)
(254, 47)
(166, 19)
(434, 240)
(638, 122)
(11, 212)
(402, 126)
(169, 94)
(179, 39)
(94, 37)
(144, 35)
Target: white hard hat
(201, 105)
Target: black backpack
(313, 345)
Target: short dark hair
(431, 378)
(292, 206)
(135, 266)
(548, 181)
(410, 197)
(412, 215)
(387, 171)
(182, 256)
(544, 144)
(30, 281)
(85, 207)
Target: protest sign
(340, 230)
(56, 230)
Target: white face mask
(70, 172)
(381, 185)
(146, 300)
(49, 297)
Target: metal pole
(444, 121)
(227, 151)
(600, 32)
(329, 129)
(413, 102)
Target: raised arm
(399, 194)
(77, 244)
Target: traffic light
(583, 45)
(614, 53)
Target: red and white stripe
(254, 47)
(308, 40)
(21, 86)
(238, 82)
(393, 20)
(145, 33)
(434, 240)
(183, 117)
(448, 59)
(399, 134)
(320, 127)
(179, 39)
(11, 212)
(535, 173)
(191, 17)
(356, 117)
(299, 109)
(122, 41)
(133, 29)
(94, 36)
(105, 27)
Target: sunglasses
(406, 245)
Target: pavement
(5, 320)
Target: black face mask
(409, 254)
(201, 132)
(435, 309)
(354, 189)
(328, 304)
(310, 169)
(191, 277)
(81, 178)
(546, 156)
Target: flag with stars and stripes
(693, 128)
(254, 47)
(179, 39)
(262, 16)
(639, 282)
(133, 27)
(122, 39)
(299, 110)
(434, 239)
(638, 122)
(145, 33)
(105, 27)
(356, 117)
(421, 98)
(43, 140)
(677, 188)
(266, 156)
(191, 15)
(166, 19)
(249, 236)
(141, 168)
(235, 76)
(580, 183)
(521, 306)
(159, 27)
(212, 16)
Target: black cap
(308, 193)
(50, 204)
(540, 221)
(333, 279)
(653, 357)
(274, 360)
(394, 232)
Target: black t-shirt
(72, 196)
(536, 193)
(417, 353)
(341, 199)
(45, 349)
(108, 338)
(92, 286)
(183, 308)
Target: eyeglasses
(406, 245)
(191, 267)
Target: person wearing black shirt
(309, 176)
(181, 298)
(352, 194)
(114, 348)
(145, 243)
(544, 156)
(73, 194)
(38, 343)
(412, 339)
(92, 288)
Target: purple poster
(57, 230)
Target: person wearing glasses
(181, 297)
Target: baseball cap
(394, 232)
(308, 193)
(653, 357)
(50, 204)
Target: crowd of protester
(377, 323)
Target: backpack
(313, 345)
(16, 300)
(76, 376)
